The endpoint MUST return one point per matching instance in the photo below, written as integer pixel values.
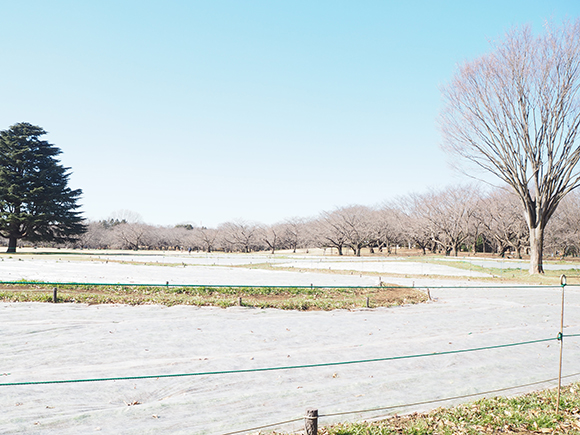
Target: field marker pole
(54, 295)
(561, 338)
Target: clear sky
(209, 111)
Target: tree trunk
(339, 250)
(434, 248)
(536, 248)
(12, 244)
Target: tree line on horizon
(452, 220)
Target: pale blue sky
(203, 112)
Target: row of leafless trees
(447, 221)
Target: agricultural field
(169, 365)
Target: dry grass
(288, 298)
(533, 413)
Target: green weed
(529, 413)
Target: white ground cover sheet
(214, 269)
(51, 270)
(395, 267)
(43, 342)
(65, 341)
(504, 263)
(213, 259)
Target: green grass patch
(288, 298)
(533, 413)
(505, 275)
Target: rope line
(558, 286)
(265, 426)
(463, 396)
(268, 369)
(188, 285)
(426, 402)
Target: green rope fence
(269, 369)
(100, 284)
(559, 337)
(97, 284)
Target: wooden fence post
(311, 421)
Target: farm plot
(108, 271)
(216, 269)
(44, 342)
(54, 342)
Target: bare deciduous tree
(330, 231)
(515, 113)
(563, 233)
(295, 233)
(97, 236)
(206, 238)
(132, 235)
(127, 216)
(347, 226)
(448, 214)
(240, 236)
(358, 224)
(500, 218)
(414, 227)
(271, 235)
(387, 227)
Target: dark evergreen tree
(36, 203)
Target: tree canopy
(515, 112)
(36, 203)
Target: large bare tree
(515, 113)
